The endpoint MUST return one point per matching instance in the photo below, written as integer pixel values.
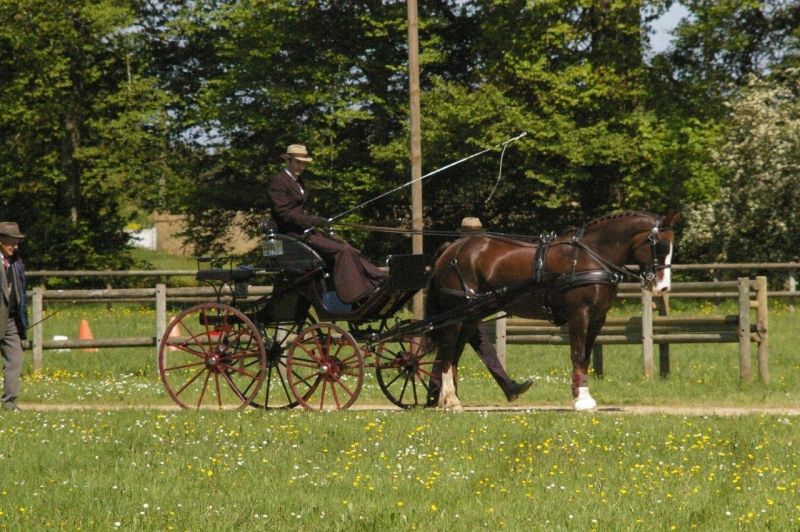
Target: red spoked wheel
(278, 338)
(326, 368)
(212, 355)
(403, 368)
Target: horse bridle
(658, 248)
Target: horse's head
(653, 254)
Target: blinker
(661, 248)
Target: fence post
(38, 328)
(744, 328)
(500, 339)
(647, 332)
(792, 288)
(762, 328)
(663, 349)
(161, 314)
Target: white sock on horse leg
(584, 401)
(448, 397)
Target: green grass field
(118, 463)
(410, 470)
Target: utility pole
(416, 148)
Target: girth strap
(469, 293)
(569, 282)
(539, 257)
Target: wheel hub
(217, 358)
(407, 364)
(333, 367)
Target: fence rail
(652, 332)
(663, 330)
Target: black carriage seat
(407, 272)
(297, 257)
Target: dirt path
(721, 411)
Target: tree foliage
(756, 216)
(82, 129)
(107, 104)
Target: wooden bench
(663, 329)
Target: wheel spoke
(404, 369)
(277, 338)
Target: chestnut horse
(568, 279)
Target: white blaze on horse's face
(661, 283)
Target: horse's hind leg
(449, 351)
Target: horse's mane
(625, 214)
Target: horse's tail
(432, 296)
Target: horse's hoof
(584, 401)
(454, 407)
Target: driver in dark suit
(353, 275)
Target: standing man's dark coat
(13, 312)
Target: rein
(430, 232)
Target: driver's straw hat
(297, 151)
(470, 224)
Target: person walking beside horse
(479, 341)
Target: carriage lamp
(271, 246)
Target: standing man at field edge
(13, 313)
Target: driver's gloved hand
(321, 222)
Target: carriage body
(299, 344)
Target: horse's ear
(671, 219)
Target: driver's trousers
(353, 275)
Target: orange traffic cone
(85, 333)
(174, 333)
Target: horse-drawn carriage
(288, 349)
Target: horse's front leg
(578, 339)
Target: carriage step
(209, 320)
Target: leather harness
(541, 281)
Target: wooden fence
(662, 329)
